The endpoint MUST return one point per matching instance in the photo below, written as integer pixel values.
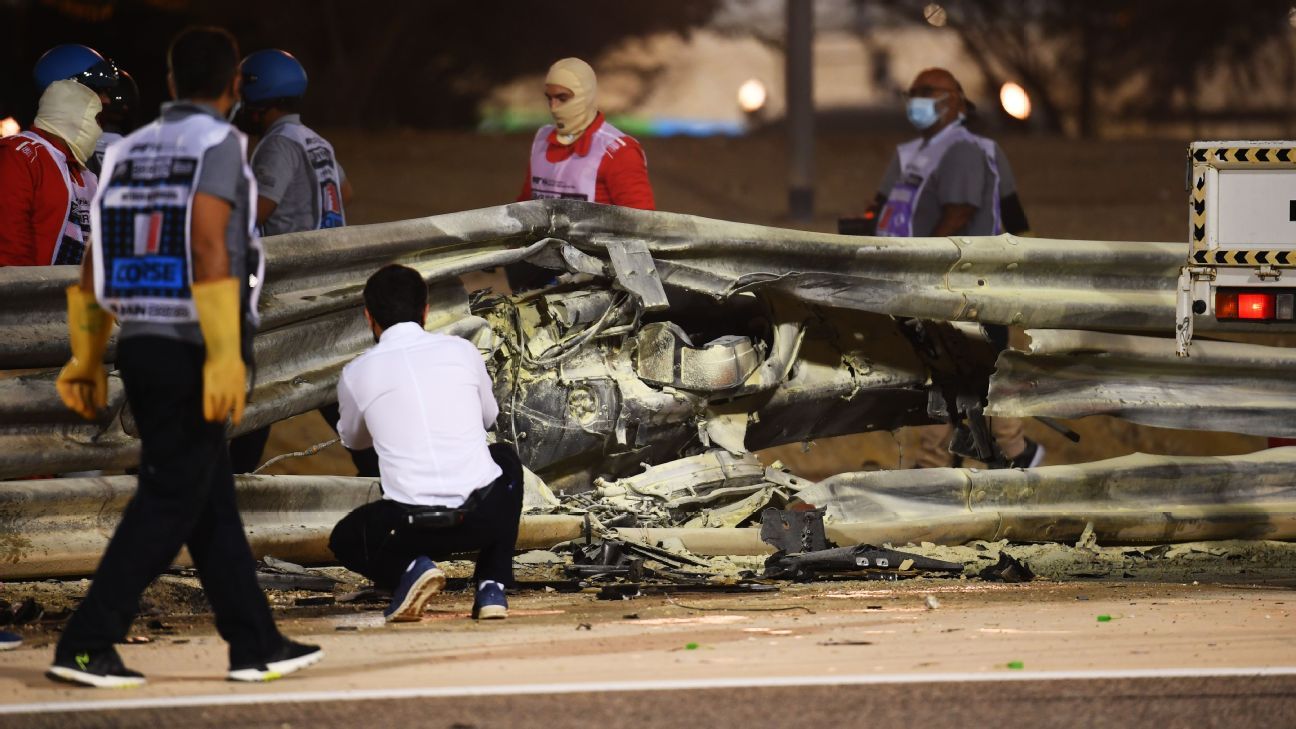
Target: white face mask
(68, 110)
(572, 117)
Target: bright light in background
(935, 15)
(1015, 100)
(9, 127)
(752, 96)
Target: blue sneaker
(9, 641)
(422, 580)
(491, 604)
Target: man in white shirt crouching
(423, 401)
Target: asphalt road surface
(1161, 702)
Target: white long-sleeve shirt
(424, 402)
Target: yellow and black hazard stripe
(1244, 258)
(1197, 202)
(1245, 155)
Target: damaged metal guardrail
(1233, 387)
(60, 527)
(310, 305)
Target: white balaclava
(68, 110)
(574, 116)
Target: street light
(1015, 101)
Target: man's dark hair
(203, 62)
(395, 294)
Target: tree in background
(423, 63)
(1139, 59)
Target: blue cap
(272, 74)
(77, 62)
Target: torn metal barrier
(787, 321)
(57, 527)
(1225, 386)
(1135, 499)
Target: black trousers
(246, 450)
(376, 541)
(185, 497)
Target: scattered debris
(538, 556)
(1088, 540)
(276, 574)
(873, 562)
(690, 646)
(793, 532)
(1007, 569)
(314, 601)
(28, 611)
(1104, 618)
(585, 626)
(157, 626)
(846, 642)
(1016, 665)
(739, 609)
(931, 602)
(137, 639)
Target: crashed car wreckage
(638, 383)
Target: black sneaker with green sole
(289, 658)
(101, 669)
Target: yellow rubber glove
(224, 374)
(83, 381)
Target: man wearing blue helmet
(300, 186)
(46, 171)
(73, 61)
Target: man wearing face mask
(300, 186)
(45, 208)
(946, 182)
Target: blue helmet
(77, 62)
(272, 74)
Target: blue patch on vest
(148, 272)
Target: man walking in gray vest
(946, 182)
(300, 186)
(175, 258)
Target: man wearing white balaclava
(581, 156)
(45, 208)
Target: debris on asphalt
(792, 531)
(862, 560)
(1007, 569)
(276, 574)
(1104, 618)
(931, 602)
(28, 611)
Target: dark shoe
(1029, 458)
(9, 641)
(100, 670)
(491, 604)
(291, 657)
(422, 580)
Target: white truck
(1242, 239)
